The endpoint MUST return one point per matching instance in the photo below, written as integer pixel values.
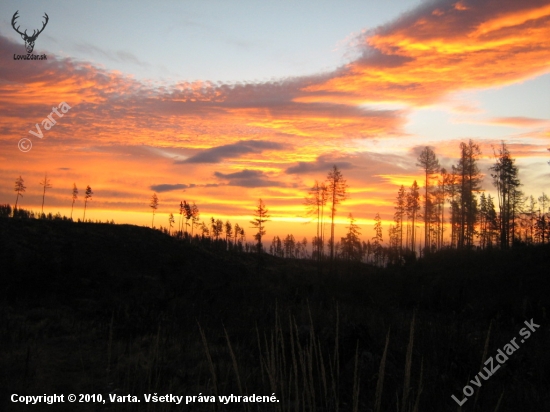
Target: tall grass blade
(499, 400)
(235, 366)
(380, 382)
(420, 387)
(356, 381)
(408, 364)
(483, 359)
(210, 363)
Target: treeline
(19, 213)
(214, 232)
(473, 218)
(20, 188)
(451, 207)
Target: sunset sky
(224, 102)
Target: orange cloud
(441, 48)
(520, 121)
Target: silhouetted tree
(298, 249)
(377, 240)
(318, 247)
(469, 178)
(289, 245)
(315, 203)
(276, 248)
(195, 216)
(304, 247)
(47, 185)
(74, 196)
(236, 233)
(242, 236)
(542, 220)
(217, 227)
(5, 210)
(351, 244)
(19, 189)
(531, 218)
(367, 250)
(400, 209)
(438, 210)
(154, 205)
(430, 165)
(482, 221)
(518, 208)
(204, 230)
(261, 217)
(228, 231)
(393, 236)
(487, 221)
(337, 193)
(188, 214)
(412, 208)
(447, 188)
(393, 252)
(171, 221)
(87, 195)
(181, 210)
(505, 179)
(492, 221)
(213, 227)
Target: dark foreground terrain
(123, 310)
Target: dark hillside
(102, 308)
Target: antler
(15, 16)
(34, 33)
(43, 26)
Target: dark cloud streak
(321, 164)
(220, 153)
(167, 187)
(248, 178)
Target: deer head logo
(29, 40)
